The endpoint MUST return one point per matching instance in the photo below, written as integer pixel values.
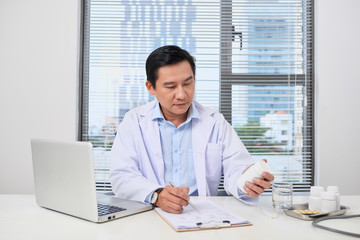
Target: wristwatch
(155, 197)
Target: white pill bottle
(335, 190)
(328, 202)
(253, 171)
(315, 197)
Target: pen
(189, 199)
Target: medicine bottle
(315, 197)
(335, 190)
(253, 171)
(328, 202)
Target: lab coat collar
(157, 113)
(201, 130)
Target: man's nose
(180, 93)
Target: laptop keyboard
(107, 209)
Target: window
(254, 64)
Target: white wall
(38, 82)
(39, 75)
(337, 73)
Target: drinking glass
(282, 195)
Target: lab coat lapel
(201, 130)
(151, 135)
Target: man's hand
(259, 185)
(172, 199)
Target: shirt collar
(157, 113)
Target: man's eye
(170, 87)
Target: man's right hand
(172, 199)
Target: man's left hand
(259, 185)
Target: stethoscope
(315, 224)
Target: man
(175, 139)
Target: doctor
(175, 138)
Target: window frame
(227, 80)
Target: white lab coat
(137, 166)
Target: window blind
(254, 64)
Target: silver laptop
(65, 182)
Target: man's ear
(150, 87)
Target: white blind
(254, 64)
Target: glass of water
(282, 195)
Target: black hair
(166, 55)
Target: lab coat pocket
(213, 155)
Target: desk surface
(21, 218)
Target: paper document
(210, 215)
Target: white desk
(21, 218)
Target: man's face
(174, 90)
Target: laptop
(65, 182)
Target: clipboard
(210, 216)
